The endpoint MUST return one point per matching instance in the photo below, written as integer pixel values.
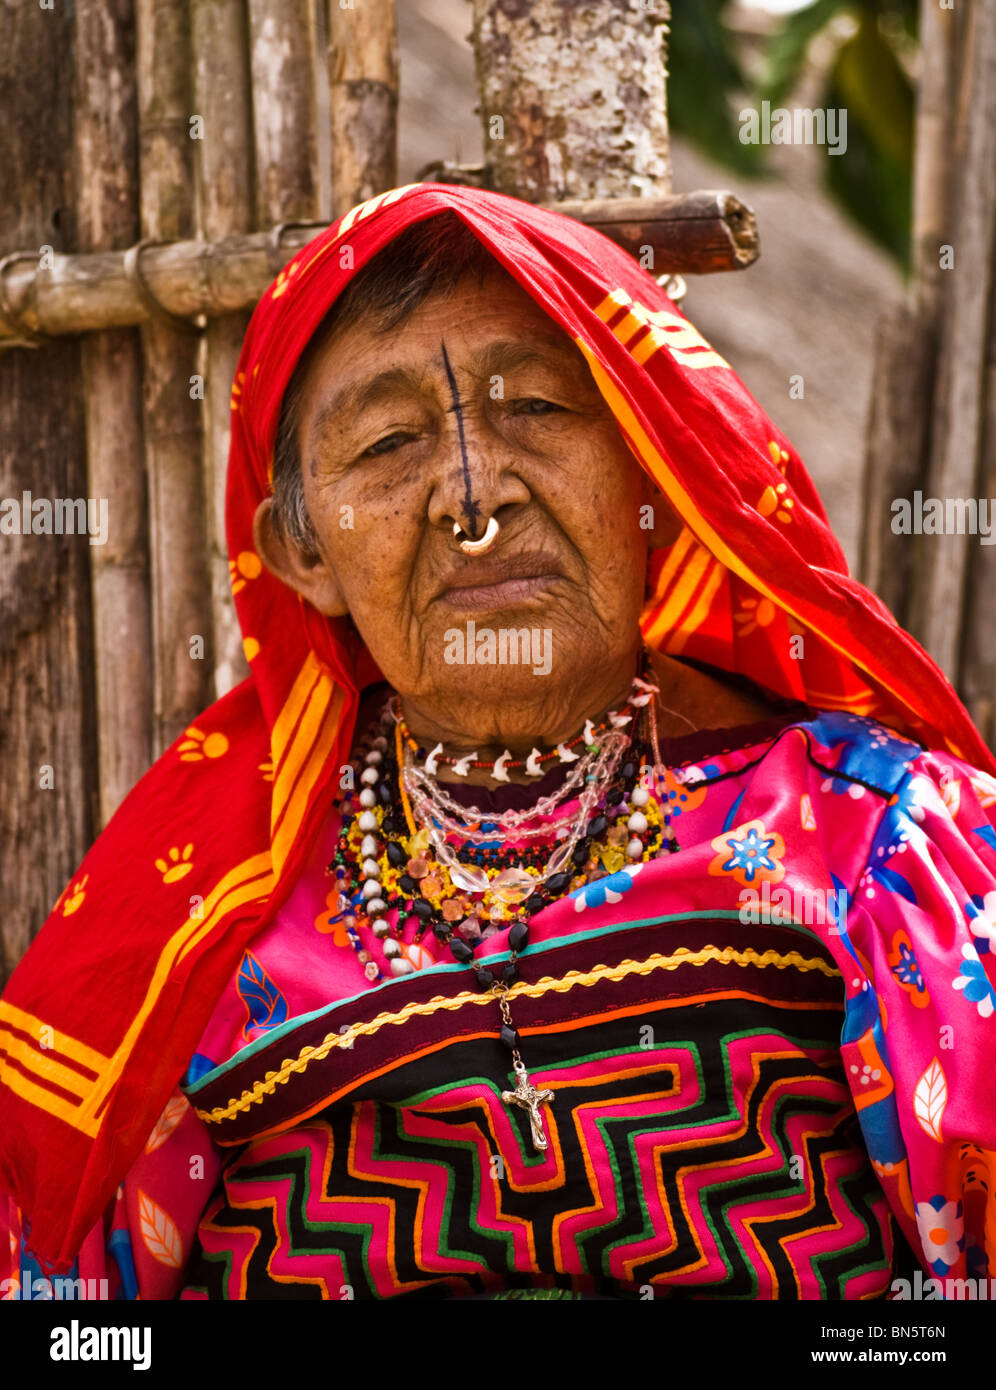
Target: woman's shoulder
(869, 752)
(860, 749)
(710, 712)
(727, 711)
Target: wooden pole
(284, 108)
(223, 165)
(955, 467)
(47, 742)
(107, 207)
(896, 443)
(938, 57)
(978, 678)
(573, 98)
(894, 447)
(183, 670)
(690, 234)
(934, 369)
(363, 83)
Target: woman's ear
(658, 517)
(305, 571)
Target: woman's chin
(506, 687)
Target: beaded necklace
(396, 851)
(533, 764)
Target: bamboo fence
(223, 207)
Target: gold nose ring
(487, 542)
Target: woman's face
(478, 405)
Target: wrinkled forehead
(481, 329)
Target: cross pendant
(529, 1097)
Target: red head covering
(107, 1006)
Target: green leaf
(875, 89)
(703, 76)
(785, 55)
(873, 179)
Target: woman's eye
(533, 405)
(388, 444)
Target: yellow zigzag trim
(727, 956)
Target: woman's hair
(430, 257)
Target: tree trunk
(573, 97)
(47, 743)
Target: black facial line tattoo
(471, 506)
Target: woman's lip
(504, 594)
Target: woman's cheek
(376, 548)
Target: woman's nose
(478, 475)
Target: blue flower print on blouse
(981, 913)
(605, 890)
(864, 751)
(972, 978)
(908, 968)
(750, 854)
(900, 822)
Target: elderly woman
(591, 890)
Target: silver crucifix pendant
(529, 1097)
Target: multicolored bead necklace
(386, 861)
